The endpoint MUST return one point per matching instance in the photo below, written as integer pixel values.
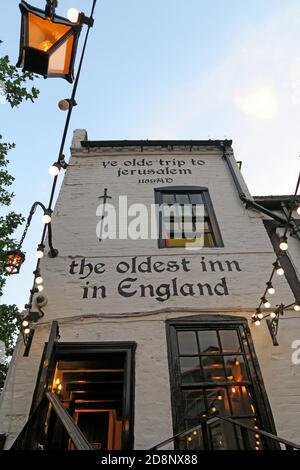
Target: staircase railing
(34, 434)
(201, 437)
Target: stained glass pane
(208, 239)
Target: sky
(164, 69)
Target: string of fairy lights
(15, 257)
(277, 269)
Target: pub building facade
(143, 339)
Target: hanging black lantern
(14, 260)
(48, 42)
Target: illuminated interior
(43, 33)
(215, 380)
(91, 390)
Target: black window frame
(214, 322)
(215, 229)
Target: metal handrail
(280, 440)
(78, 438)
(207, 421)
(75, 434)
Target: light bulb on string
(40, 251)
(265, 302)
(257, 323)
(270, 288)
(46, 219)
(260, 316)
(73, 15)
(55, 169)
(283, 244)
(272, 315)
(57, 166)
(297, 307)
(38, 278)
(298, 210)
(40, 287)
(27, 331)
(279, 270)
(64, 104)
(25, 323)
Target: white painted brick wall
(142, 320)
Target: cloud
(259, 102)
(251, 95)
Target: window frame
(214, 322)
(158, 197)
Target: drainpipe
(249, 203)
(296, 230)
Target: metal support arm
(53, 252)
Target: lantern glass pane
(43, 33)
(60, 60)
(14, 259)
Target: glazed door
(214, 371)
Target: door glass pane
(193, 404)
(241, 402)
(216, 381)
(217, 401)
(208, 342)
(193, 440)
(230, 341)
(213, 370)
(190, 369)
(223, 436)
(187, 342)
(235, 368)
(255, 441)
